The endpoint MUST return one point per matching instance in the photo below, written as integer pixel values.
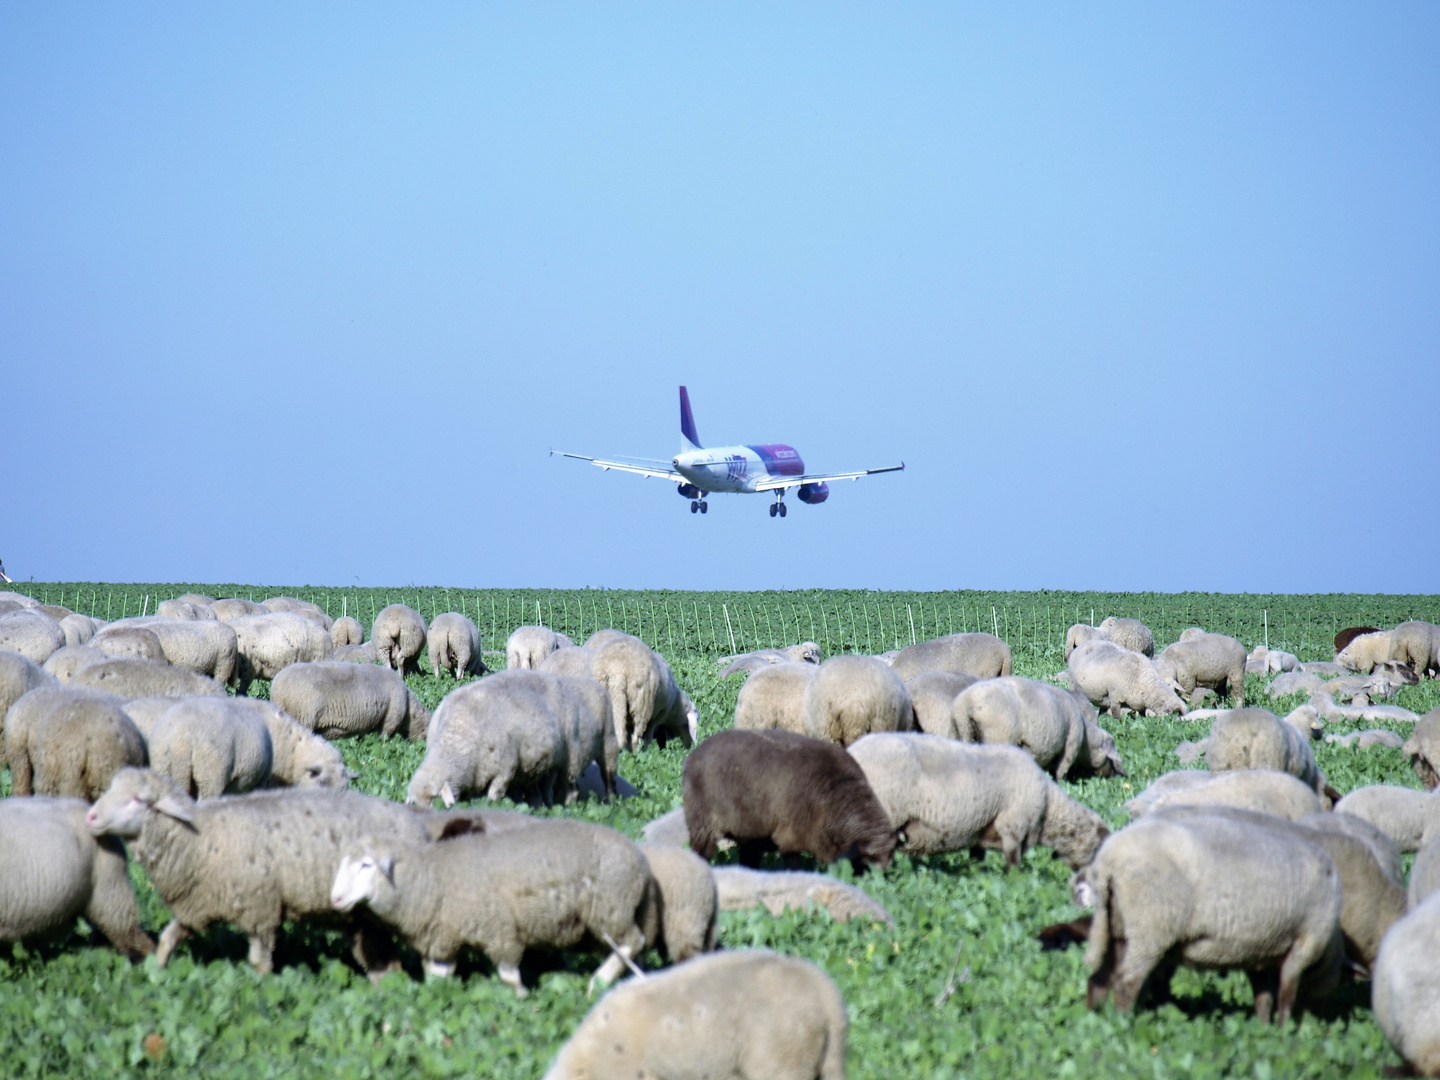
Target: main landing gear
(778, 506)
(699, 506)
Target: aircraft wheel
(694, 506)
(704, 507)
(782, 509)
(773, 510)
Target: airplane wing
(820, 478)
(660, 470)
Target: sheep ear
(386, 864)
(173, 807)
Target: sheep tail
(1098, 946)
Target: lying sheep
(644, 697)
(1405, 988)
(303, 608)
(128, 641)
(569, 660)
(932, 696)
(1324, 708)
(1261, 790)
(1425, 873)
(1155, 906)
(1422, 748)
(774, 697)
(807, 652)
(78, 629)
(1366, 652)
(1364, 740)
(268, 644)
(1258, 739)
(547, 884)
(453, 642)
(1294, 682)
(1408, 817)
(210, 747)
(55, 872)
(1117, 679)
(1056, 726)
(250, 860)
(982, 655)
(529, 646)
(670, 830)
(18, 676)
(1416, 645)
(398, 636)
(32, 634)
(715, 1016)
(686, 907)
(851, 696)
(776, 789)
(233, 608)
(507, 729)
(1265, 661)
(68, 741)
(184, 610)
(337, 700)
(740, 889)
(129, 678)
(944, 795)
(1213, 661)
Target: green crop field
(74, 1008)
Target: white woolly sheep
(569, 660)
(453, 643)
(127, 678)
(1118, 679)
(686, 907)
(669, 829)
(1213, 661)
(982, 655)
(1078, 635)
(206, 648)
(198, 599)
(268, 644)
(347, 631)
(184, 610)
(507, 729)
(953, 796)
(250, 860)
(68, 741)
(398, 636)
(55, 872)
(336, 700)
(355, 654)
(740, 888)
(32, 634)
(1262, 790)
(145, 712)
(303, 608)
(589, 736)
(1366, 652)
(1054, 725)
(125, 640)
(1407, 816)
(1422, 748)
(1131, 634)
(1152, 886)
(1258, 739)
(598, 640)
(932, 696)
(774, 697)
(1405, 988)
(547, 884)
(211, 746)
(1425, 873)
(529, 646)
(78, 629)
(1263, 661)
(852, 696)
(1417, 646)
(714, 1016)
(18, 676)
(807, 652)
(1387, 855)
(644, 697)
(232, 608)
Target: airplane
(739, 470)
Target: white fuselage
(737, 468)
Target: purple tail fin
(687, 422)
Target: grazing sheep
(1425, 874)
(145, 712)
(268, 644)
(569, 660)
(336, 700)
(1416, 645)
(398, 636)
(740, 889)
(303, 608)
(686, 905)
(206, 648)
(1386, 854)
(1115, 678)
(211, 746)
(347, 631)
(851, 696)
(529, 646)
(670, 829)
(739, 1015)
(932, 696)
(78, 629)
(1051, 723)
(1213, 661)
(1258, 739)
(355, 654)
(1131, 634)
(598, 640)
(125, 640)
(777, 789)
(55, 872)
(943, 795)
(774, 697)
(184, 610)
(129, 678)
(55, 611)
(507, 729)
(453, 642)
(198, 599)
(301, 758)
(68, 741)
(1078, 635)
(18, 676)
(644, 697)
(233, 608)
(1261, 790)
(982, 655)
(1157, 905)
(546, 884)
(1364, 740)
(1366, 652)
(250, 860)
(1350, 633)
(1422, 748)
(1405, 988)
(1407, 816)
(589, 737)
(31, 633)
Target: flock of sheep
(239, 810)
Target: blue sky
(1145, 296)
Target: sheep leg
(112, 908)
(443, 969)
(1130, 976)
(510, 976)
(630, 943)
(171, 936)
(1262, 985)
(375, 952)
(262, 951)
(1098, 988)
(751, 852)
